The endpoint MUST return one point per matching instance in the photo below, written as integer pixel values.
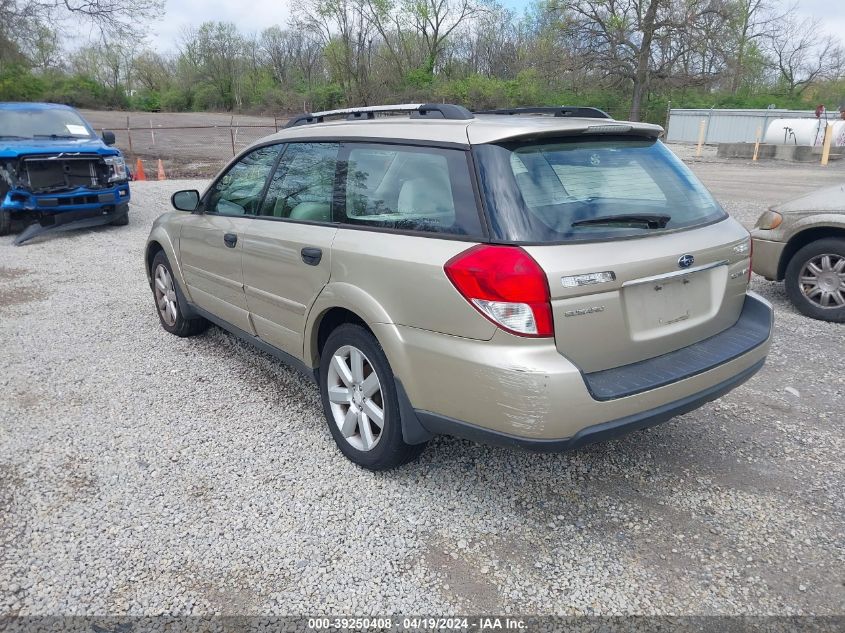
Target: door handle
(311, 255)
(230, 239)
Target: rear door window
(571, 190)
(409, 188)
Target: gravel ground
(144, 474)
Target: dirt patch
(25, 400)
(20, 295)
(463, 578)
(229, 595)
(8, 274)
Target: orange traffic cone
(161, 175)
(139, 170)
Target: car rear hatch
(640, 260)
(649, 304)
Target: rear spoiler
(585, 127)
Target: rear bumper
(751, 330)
(766, 260)
(524, 392)
(436, 424)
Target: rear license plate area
(663, 303)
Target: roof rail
(365, 113)
(559, 111)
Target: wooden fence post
(701, 127)
(828, 139)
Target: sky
(256, 15)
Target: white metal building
(729, 126)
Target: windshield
(40, 123)
(589, 189)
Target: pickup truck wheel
(122, 220)
(360, 401)
(815, 280)
(5, 222)
(167, 301)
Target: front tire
(815, 279)
(170, 312)
(123, 219)
(360, 400)
(5, 222)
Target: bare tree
(618, 36)
(434, 21)
(152, 70)
(749, 22)
(216, 51)
(633, 41)
(347, 38)
(392, 24)
(803, 53)
(116, 19)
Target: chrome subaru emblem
(685, 261)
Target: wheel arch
(801, 239)
(153, 248)
(325, 322)
(161, 239)
(330, 319)
(339, 303)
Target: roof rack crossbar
(559, 111)
(416, 111)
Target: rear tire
(363, 395)
(5, 222)
(170, 312)
(815, 280)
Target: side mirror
(187, 200)
(108, 137)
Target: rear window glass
(410, 188)
(601, 188)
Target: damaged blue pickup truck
(56, 174)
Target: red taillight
(506, 285)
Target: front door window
(238, 192)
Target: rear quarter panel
(396, 279)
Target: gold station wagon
(539, 277)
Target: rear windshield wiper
(7, 136)
(649, 220)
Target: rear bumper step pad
(751, 330)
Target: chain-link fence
(189, 145)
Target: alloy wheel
(165, 295)
(822, 280)
(356, 398)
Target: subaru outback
(539, 277)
